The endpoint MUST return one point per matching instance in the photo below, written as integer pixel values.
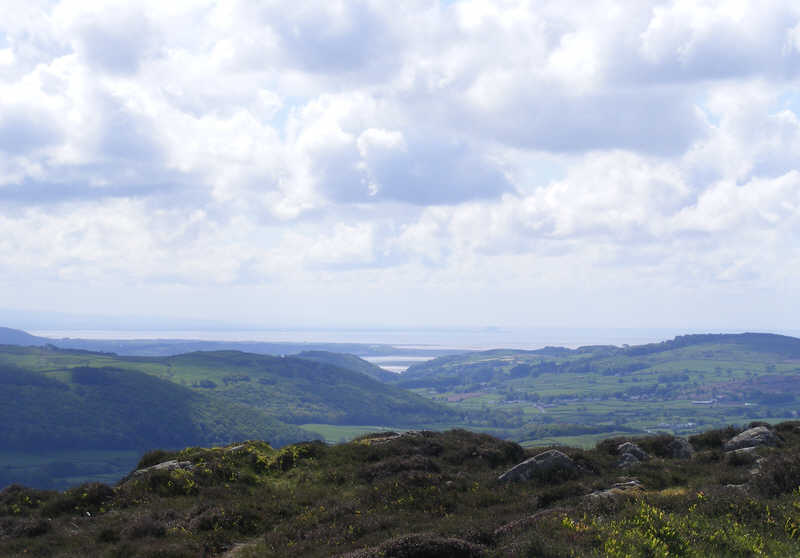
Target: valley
(61, 400)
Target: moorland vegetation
(424, 494)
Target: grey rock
(759, 463)
(744, 451)
(545, 463)
(742, 456)
(619, 488)
(632, 449)
(744, 487)
(680, 448)
(757, 436)
(628, 460)
(166, 465)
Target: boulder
(166, 465)
(752, 437)
(551, 462)
(751, 450)
(744, 487)
(633, 449)
(630, 454)
(630, 487)
(680, 448)
(758, 465)
(628, 460)
(742, 456)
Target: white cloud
(425, 148)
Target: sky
(621, 164)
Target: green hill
(751, 350)
(68, 414)
(349, 362)
(290, 389)
(300, 391)
(769, 343)
(683, 385)
(426, 494)
(88, 407)
(10, 336)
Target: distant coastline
(466, 339)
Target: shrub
(108, 535)
(788, 427)
(650, 531)
(212, 518)
(609, 445)
(88, 497)
(30, 527)
(422, 546)
(778, 474)
(177, 482)
(713, 439)
(16, 499)
(549, 496)
(147, 526)
(657, 445)
(154, 457)
(393, 465)
(288, 457)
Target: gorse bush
(89, 498)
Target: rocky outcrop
(633, 449)
(680, 448)
(743, 487)
(620, 488)
(752, 437)
(165, 466)
(627, 460)
(546, 464)
(630, 454)
(742, 455)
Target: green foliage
(349, 362)
(779, 473)
(111, 408)
(702, 529)
(319, 387)
(713, 439)
(154, 457)
(413, 494)
(76, 399)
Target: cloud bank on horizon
(324, 162)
